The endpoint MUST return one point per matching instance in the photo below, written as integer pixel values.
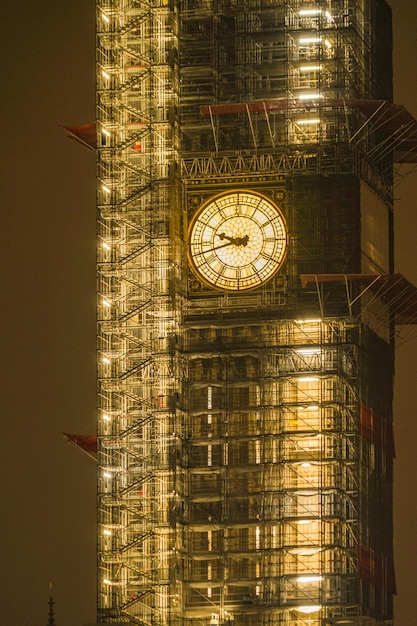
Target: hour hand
(237, 241)
(224, 236)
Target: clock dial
(237, 240)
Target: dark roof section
(396, 126)
(394, 290)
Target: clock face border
(237, 266)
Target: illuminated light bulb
(105, 75)
(105, 18)
(308, 609)
(106, 475)
(105, 188)
(329, 17)
(310, 96)
(306, 123)
(106, 132)
(309, 350)
(309, 12)
(107, 532)
(106, 581)
(305, 464)
(310, 68)
(106, 360)
(309, 579)
(106, 245)
(107, 418)
(308, 379)
(311, 40)
(304, 522)
(312, 407)
(327, 43)
(308, 321)
(106, 303)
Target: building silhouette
(246, 311)
(51, 614)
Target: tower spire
(51, 616)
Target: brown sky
(47, 316)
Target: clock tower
(245, 373)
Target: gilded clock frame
(282, 248)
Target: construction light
(313, 608)
(311, 68)
(304, 40)
(310, 96)
(308, 123)
(308, 351)
(309, 579)
(308, 321)
(309, 12)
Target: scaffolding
(139, 367)
(271, 501)
(244, 439)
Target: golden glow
(305, 40)
(309, 579)
(310, 68)
(310, 96)
(308, 609)
(308, 122)
(309, 12)
(237, 240)
(308, 321)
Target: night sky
(47, 316)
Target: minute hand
(229, 243)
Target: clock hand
(223, 236)
(229, 243)
(237, 241)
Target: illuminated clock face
(237, 241)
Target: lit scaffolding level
(272, 420)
